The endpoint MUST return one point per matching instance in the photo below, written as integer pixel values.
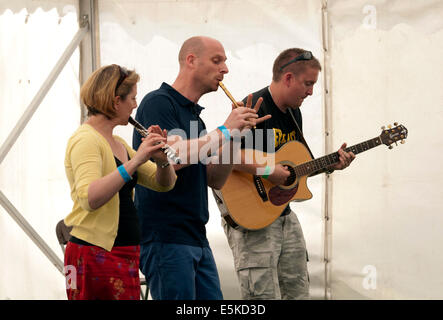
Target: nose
(224, 68)
(310, 90)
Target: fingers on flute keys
(252, 118)
(258, 104)
(260, 120)
(237, 104)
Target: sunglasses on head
(123, 76)
(307, 55)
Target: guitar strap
(302, 138)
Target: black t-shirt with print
(279, 129)
(273, 133)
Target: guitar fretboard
(308, 168)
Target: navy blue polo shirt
(180, 215)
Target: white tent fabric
(32, 174)
(384, 66)
(386, 208)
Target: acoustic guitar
(254, 203)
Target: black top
(275, 132)
(278, 130)
(179, 215)
(128, 232)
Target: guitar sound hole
(292, 177)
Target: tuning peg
(389, 126)
(395, 123)
(390, 147)
(402, 142)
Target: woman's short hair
(282, 65)
(99, 91)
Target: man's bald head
(202, 67)
(195, 45)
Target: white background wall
(32, 175)
(387, 215)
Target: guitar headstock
(392, 135)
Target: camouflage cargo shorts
(271, 263)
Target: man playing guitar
(271, 263)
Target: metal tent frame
(86, 39)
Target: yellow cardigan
(88, 158)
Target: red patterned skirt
(92, 273)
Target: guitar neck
(319, 164)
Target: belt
(286, 211)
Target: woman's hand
(151, 146)
(159, 156)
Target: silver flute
(168, 150)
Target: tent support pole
(30, 231)
(89, 47)
(327, 245)
(18, 129)
(40, 95)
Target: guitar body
(254, 203)
(246, 208)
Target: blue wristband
(125, 175)
(266, 173)
(225, 132)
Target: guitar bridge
(260, 188)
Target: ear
(287, 78)
(190, 60)
(117, 101)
